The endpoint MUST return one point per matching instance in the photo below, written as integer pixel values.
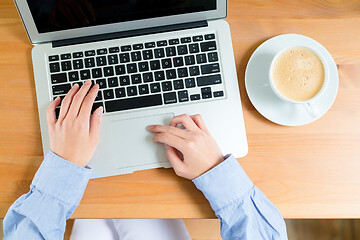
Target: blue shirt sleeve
(244, 211)
(42, 212)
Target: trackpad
(135, 145)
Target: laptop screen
(56, 15)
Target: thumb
(95, 122)
(175, 160)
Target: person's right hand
(199, 151)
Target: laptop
(153, 60)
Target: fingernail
(75, 85)
(149, 127)
(87, 82)
(100, 111)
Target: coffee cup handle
(312, 109)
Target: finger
(77, 100)
(170, 139)
(95, 122)
(184, 120)
(168, 129)
(86, 106)
(67, 101)
(174, 158)
(199, 121)
(50, 113)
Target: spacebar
(132, 103)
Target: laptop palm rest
(135, 146)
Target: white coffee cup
(309, 104)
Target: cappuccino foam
(298, 74)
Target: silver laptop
(152, 59)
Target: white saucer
(261, 94)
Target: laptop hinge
(130, 33)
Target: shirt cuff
(61, 179)
(224, 184)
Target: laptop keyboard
(166, 72)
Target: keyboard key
(53, 58)
(213, 57)
(136, 78)
(161, 43)
(208, 46)
(120, 92)
(85, 74)
(182, 72)
(89, 53)
(101, 51)
(143, 89)
(124, 57)
(73, 76)
(201, 58)
(147, 54)
(113, 59)
(61, 89)
(155, 87)
(96, 106)
(150, 45)
(182, 49)
(155, 65)
(219, 94)
(210, 68)
(147, 77)
(131, 91)
(189, 60)
(78, 54)
(131, 68)
(190, 82)
(178, 61)
(159, 75)
(206, 93)
(194, 48)
(198, 38)
(126, 48)
(208, 80)
(166, 63)
(65, 56)
(183, 96)
(170, 98)
(98, 96)
(185, 40)
(194, 71)
(174, 41)
(138, 46)
(124, 80)
(195, 97)
(114, 50)
(78, 83)
(78, 64)
(96, 72)
(136, 56)
(120, 69)
(89, 62)
(113, 82)
(58, 78)
(133, 103)
(159, 53)
(178, 84)
(57, 112)
(170, 51)
(101, 61)
(108, 71)
(102, 83)
(65, 66)
(170, 74)
(143, 66)
(209, 36)
(166, 86)
(108, 94)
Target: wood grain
(307, 172)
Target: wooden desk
(307, 172)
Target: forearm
(244, 211)
(55, 192)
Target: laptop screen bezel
(36, 37)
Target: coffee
(298, 74)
